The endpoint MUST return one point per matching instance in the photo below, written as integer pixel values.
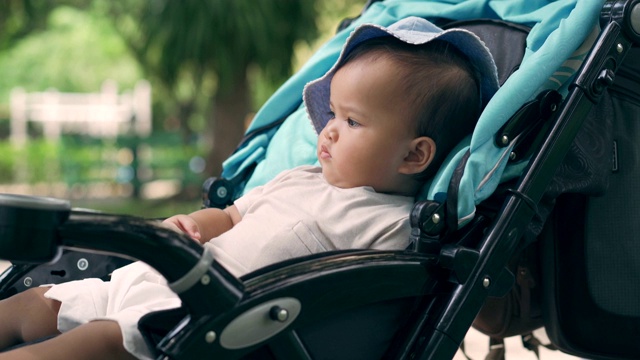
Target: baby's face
(368, 137)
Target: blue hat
(412, 30)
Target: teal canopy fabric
(560, 37)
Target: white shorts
(134, 290)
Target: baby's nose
(331, 131)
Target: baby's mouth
(324, 152)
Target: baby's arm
(205, 224)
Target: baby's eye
(332, 115)
(353, 123)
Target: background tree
(205, 54)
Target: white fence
(103, 114)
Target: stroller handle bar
(36, 229)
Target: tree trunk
(227, 126)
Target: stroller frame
(450, 280)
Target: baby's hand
(183, 224)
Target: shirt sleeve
(243, 202)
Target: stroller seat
(417, 303)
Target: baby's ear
(421, 153)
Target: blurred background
(127, 106)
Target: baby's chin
(335, 180)
(342, 183)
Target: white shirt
(298, 213)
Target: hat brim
(412, 30)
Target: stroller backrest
(552, 55)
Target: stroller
(541, 153)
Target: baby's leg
(100, 339)
(27, 316)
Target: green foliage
(77, 53)
(41, 158)
(165, 156)
(7, 161)
(19, 18)
(83, 160)
(34, 163)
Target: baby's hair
(441, 85)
